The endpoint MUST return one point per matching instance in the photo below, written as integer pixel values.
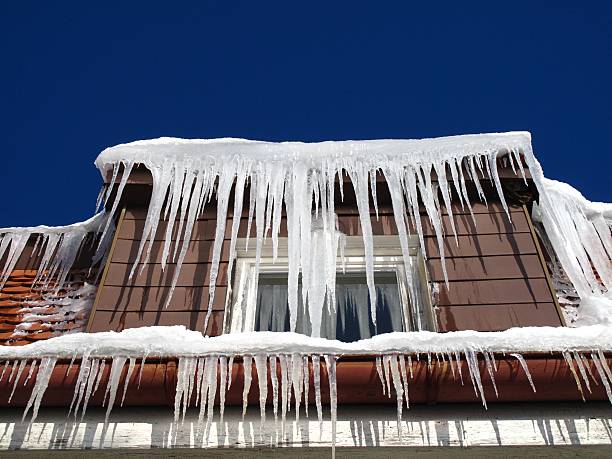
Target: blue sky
(77, 77)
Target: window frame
(387, 258)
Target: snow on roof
(150, 152)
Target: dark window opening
(352, 319)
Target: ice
(386, 361)
(306, 386)
(330, 361)
(211, 364)
(92, 385)
(580, 237)
(31, 372)
(261, 364)
(297, 381)
(316, 375)
(203, 364)
(490, 369)
(6, 364)
(113, 384)
(45, 370)
(285, 390)
(581, 368)
(603, 374)
(274, 380)
(381, 376)
(81, 384)
(604, 364)
(399, 390)
(223, 371)
(474, 369)
(59, 245)
(190, 373)
(302, 176)
(570, 363)
(525, 368)
(22, 365)
(247, 369)
(404, 378)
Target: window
(261, 304)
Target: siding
(496, 280)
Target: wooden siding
(495, 278)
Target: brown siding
(496, 280)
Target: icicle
(199, 378)
(131, 366)
(379, 370)
(6, 364)
(450, 362)
(16, 364)
(22, 365)
(262, 379)
(459, 365)
(91, 380)
(410, 366)
(373, 191)
(521, 360)
(472, 361)
(580, 365)
(81, 384)
(297, 380)
(487, 359)
(247, 368)
(226, 180)
(230, 366)
(585, 363)
(330, 360)
(568, 358)
(205, 383)
(45, 370)
(604, 364)
(316, 368)
(306, 374)
(274, 380)
(360, 183)
(113, 384)
(399, 392)
(191, 375)
(285, 390)
(404, 375)
(222, 386)
(31, 372)
(181, 385)
(386, 363)
(211, 363)
(602, 374)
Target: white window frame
(387, 258)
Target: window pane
(351, 320)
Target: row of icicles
(204, 377)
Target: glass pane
(352, 319)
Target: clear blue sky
(80, 76)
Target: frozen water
(302, 176)
(58, 247)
